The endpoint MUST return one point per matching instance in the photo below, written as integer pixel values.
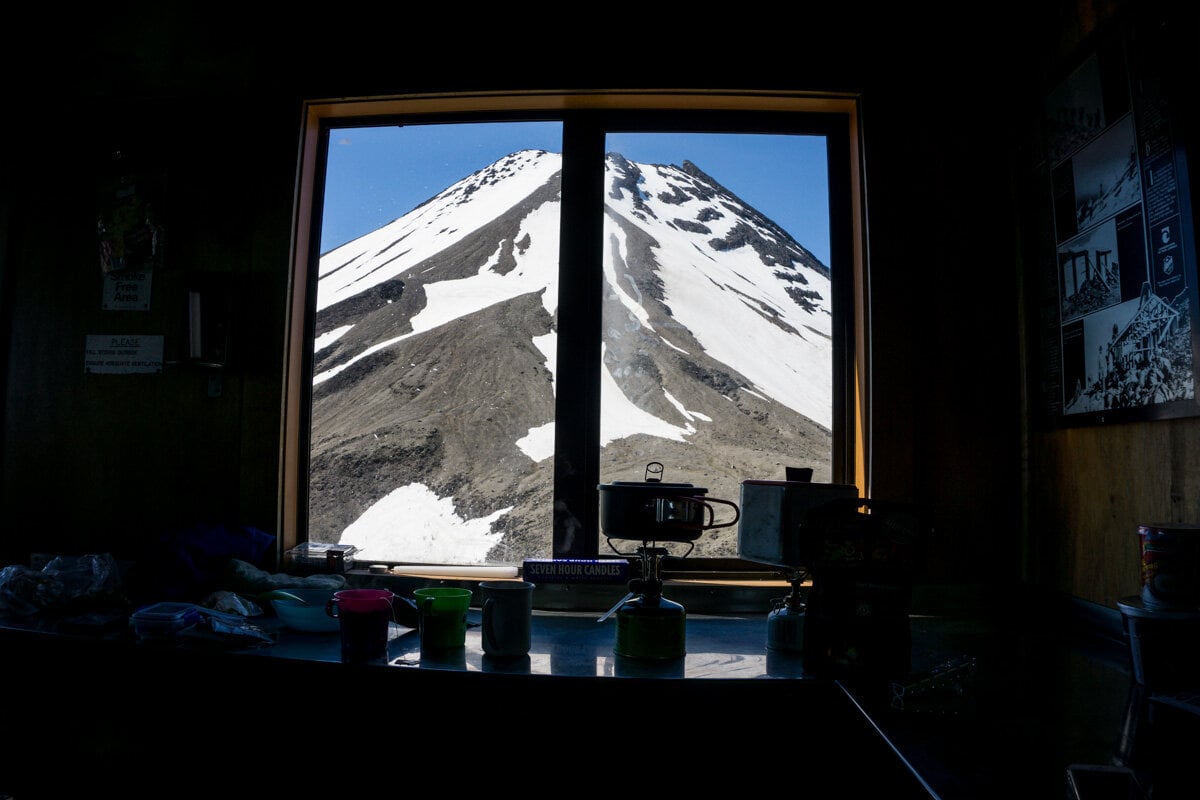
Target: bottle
(785, 626)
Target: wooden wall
(1093, 487)
(1088, 488)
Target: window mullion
(577, 399)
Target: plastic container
(1164, 646)
(308, 614)
(1102, 782)
(164, 620)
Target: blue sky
(378, 174)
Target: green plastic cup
(443, 617)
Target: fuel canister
(651, 627)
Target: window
(597, 290)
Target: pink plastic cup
(364, 616)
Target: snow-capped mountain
(434, 359)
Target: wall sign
(127, 290)
(1119, 299)
(122, 354)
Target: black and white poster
(1125, 262)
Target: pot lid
(653, 468)
(649, 485)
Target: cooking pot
(655, 511)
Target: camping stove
(649, 626)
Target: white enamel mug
(506, 627)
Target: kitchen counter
(569, 644)
(1036, 698)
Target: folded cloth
(245, 578)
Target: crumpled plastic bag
(64, 581)
(232, 603)
(25, 591)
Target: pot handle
(737, 513)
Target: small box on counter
(576, 570)
(315, 556)
(163, 620)
(773, 516)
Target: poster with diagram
(1124, 256)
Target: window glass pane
(432, 405)
(717, 333)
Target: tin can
(1170, 563)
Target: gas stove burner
(785, 623)
(649, 626)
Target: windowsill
(698, 595)
(563, 644)
(701, 596)
(575, 644)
